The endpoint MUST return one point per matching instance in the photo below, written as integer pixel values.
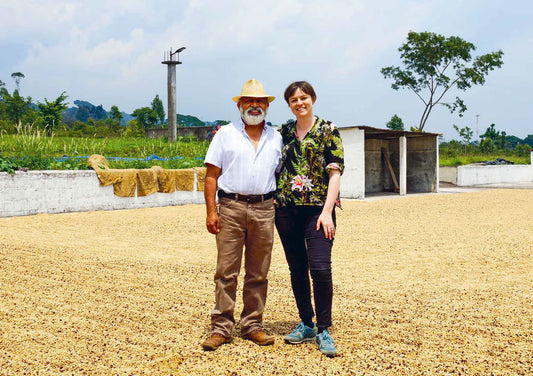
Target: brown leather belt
(251, 199)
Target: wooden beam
(387, 160)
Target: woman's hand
(326, 221)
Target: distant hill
(189, 121)
(85, 110)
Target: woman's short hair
(303, 86)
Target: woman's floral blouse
(306, 164)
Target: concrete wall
(422, 164)
(377, 176)
(448, 174)
(197, 132)
(353, 178)
(479, 174)
(33, 192)
(421, 170)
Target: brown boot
(259, 337)
(214, 341)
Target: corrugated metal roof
(380, 133)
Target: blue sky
(110, 53)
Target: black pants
(307, 251)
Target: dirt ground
(430, 285)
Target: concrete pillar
(437, 168)
(171, 94)
(353, 178)
(403, 166)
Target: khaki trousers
(250, 226)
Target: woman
(307, 191)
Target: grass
(34, 149)
(459, 160)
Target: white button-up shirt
(245, 170)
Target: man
(241, 162)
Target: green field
(459, 160)
(34, 150)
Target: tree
(133, 129)
(51, 112)
(529, 140)
(115, 114)
(17, 76)
(486, 145)
(157, 106)
(145, 116)
(15, 106)
(435, 64)
(491, 133)
(500, 142)
(465, 133)
(115, 120)
(523, 150)
(395, 123)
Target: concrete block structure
(376, 160)
(383, 160)
(35, 192)
(481, 174)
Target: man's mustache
(259, 109)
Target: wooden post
(386, 155)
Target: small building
(384, 160)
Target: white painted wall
(475, 174)
(34, 192)
(353, 178)
(480, 174)
(448, 174)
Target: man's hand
(210, 189)
(212, 223)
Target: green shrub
(7, 165)
(486, 145)
(522, 150)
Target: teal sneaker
(326, 344)
(302, 333)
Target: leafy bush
(6, 165)
(522, 150)
(486, 145)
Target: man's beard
(253, 119)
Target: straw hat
(253, 88)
